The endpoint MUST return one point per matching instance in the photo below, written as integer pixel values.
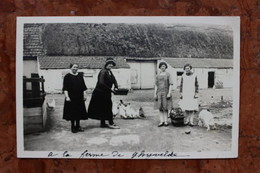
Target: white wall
(173, 73)
(202, 76)
(226, 76)
(123, 77)
(54, 78)
(223, 75)
(29, 66)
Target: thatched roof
(200, 62)
(138, 40)
(89, 62)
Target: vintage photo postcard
(127, 87)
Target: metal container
(121, 91)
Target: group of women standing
(188, 91)
(100, 106)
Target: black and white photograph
(127, 87)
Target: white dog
(206, 120)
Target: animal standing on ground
(206, 119)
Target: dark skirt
(74, 110)
(100, 106)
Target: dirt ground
(138, 134)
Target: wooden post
(42, 83)
(35, 86)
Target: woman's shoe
(79, 129)
(166, 124)
(73, 130)
(104, 126)
(113, 126)
(161, 124)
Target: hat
(110, 61)
(163, 63)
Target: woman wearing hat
(100, 106)
(162, 93)
(189, 94)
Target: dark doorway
(211, 79)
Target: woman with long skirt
(100, 106)
(74, 104)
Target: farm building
(33, 47)
(54, 68)
(131, 73)
(49, 48)
(211, 73)
(136, 47)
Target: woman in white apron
(189, 95)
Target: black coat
(100, 106)
(74, 109)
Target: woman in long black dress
(100, 106)
(74, 105)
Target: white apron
(188, 102)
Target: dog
(206, 119)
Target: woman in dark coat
(100, 106)
(74, 105)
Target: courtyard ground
(138, 134)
